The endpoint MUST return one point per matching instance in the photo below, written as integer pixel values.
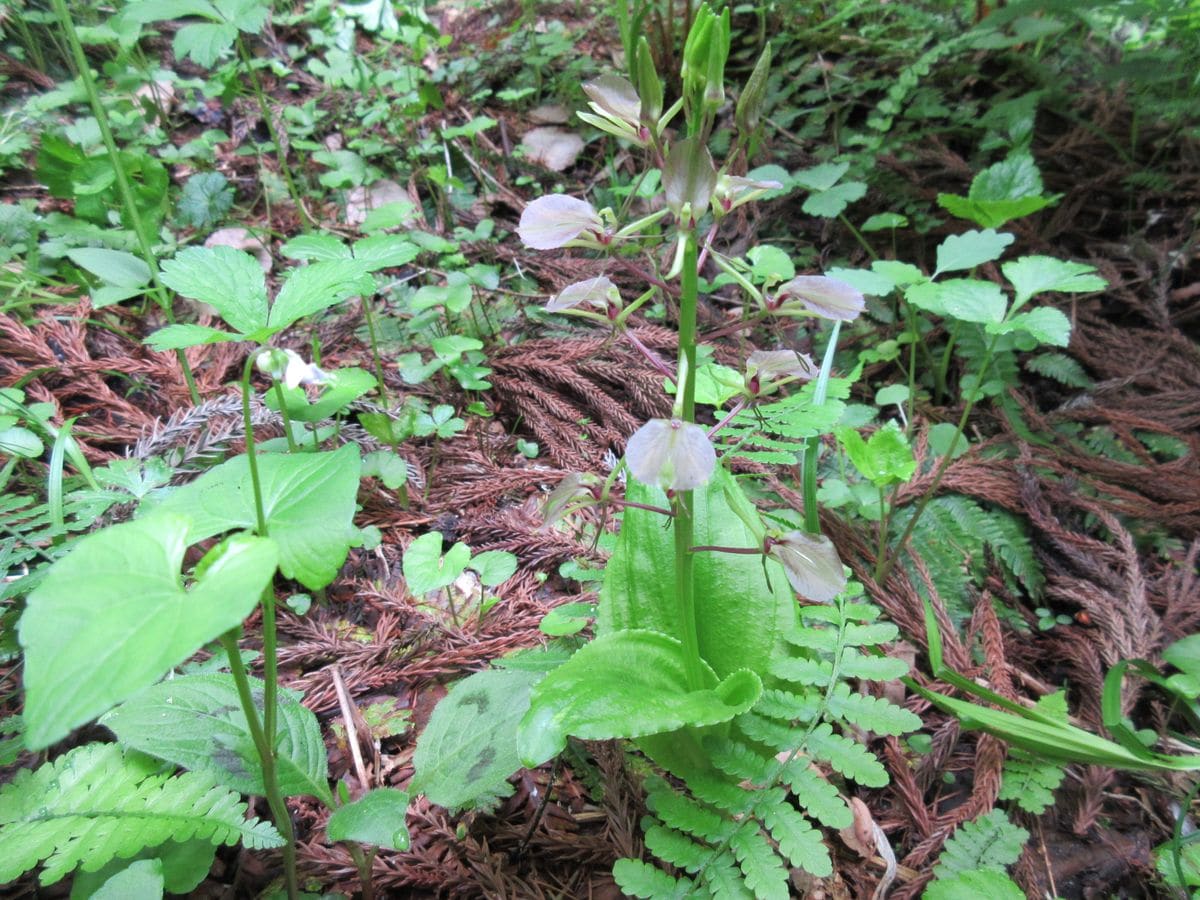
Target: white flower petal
(823, 296)
(671, 454)
(812, 565)
(615, 97)
(552, 221)
(772, 365)
(594, 291)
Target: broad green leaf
(832, 203)
(206, 198)
(196, 722)
(308, 501)
(375, 818)
(385, 251)
(176, 337)
(990, 883)
(141, 880)
(204, 42)
(1047, 324)
(819, 178)
(970, 249)
(1032, 275)
(494, 567)
(569, 618)
(885, 458)
(112, 617)
(454, 298)
(18, 441)
(228, 280)
(1014, 178)
(626, 684)
(865, 281)
(315, 248)
(143, 11)
(184, 865)
(769, 262)
(426, 569)
(386, 465)
(965, 299)
(468, 750)
(315, 287)
(247, 15)
(345, 386)
(452, 346)
(901, 274)
(993, 213)
(116, 267)
(880, 221)
(739, 613)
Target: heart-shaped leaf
(112, 617)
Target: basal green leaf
(970, 249)
(375, 818)
(385, 251)
(308, 500)
(739, 613)
(468, 750)
(494, 567)
(1031, 275)
(993, 213)
(315, 287)
(820, 178)
(626, 684)
(228, 280)
(426, 569)
(112, 617)
(115, 267)
(1047, 324)
(196, 722)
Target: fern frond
(675, 847)
(97, 803)
(721, 793)
(685, 814)
(740, 761)
(846, 756)
(774, 734)
(815, 672)
(724, 879)
(872, 668)
(792, 706)
(988, 842)
(816, 796)
(1059, 367)
(1030, 782)
(798, 840)
(869, 635)
(871, 713)
(765, 873)
(639, 879)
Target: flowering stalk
(682, 501)
(812, 449)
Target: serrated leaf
(884, 458)
(468, 750)
(1031, 275)
(95, 803)
(626, 684)
(989, 883)
(309, 501)
(204, 42)
(112, 617)
(315, 287)
(316, 248)
(802, 670)
(965, 299)
(676, 848)
(177, 337)
(724, 879)
(798, 840)
(196, 721)
(831, 203)
(685, 814)
(385, 251)
(1014, 178)
(990, 841)
(376, 818)
(970, 249)
(1030, 782)
(205, 199)
(872, 668)
(228, 280)
(1045, 323)
(816, 796)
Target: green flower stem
(287, 417)
(858, 236)
(911, 317)
(260, 516)
(682, 504)
(269, 121)
(123, 187)
(884, 566)
(812, 447)
(266, 756)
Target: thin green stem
(911, 316)
(885, 563)
(269, 120)
(683, 526)
(266, 756)
(251, 458)
(162, 297)
(287, 417)
(812, 447)
(858, 236)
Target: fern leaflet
(988, 842)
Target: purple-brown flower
(555, 220)
(672, 454)
(819, 295)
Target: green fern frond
(793, 706)
(798, 840)
(816, 672)
(1030, 782)
(724, 879)
(871, 713)
(847, 757)
(684, 813)
(97, 803)
(816, 795)
(638, 879)
(765, 873)
(872, 668)
(1059, 367)
(674, 847)
(988, 842)
(741, 762)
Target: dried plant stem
(162, 297)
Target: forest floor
(1116, 533)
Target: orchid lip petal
(822, 296)
(672, 454)
(597, 291)
(615, 97)
(555, 220)
(811, 563)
